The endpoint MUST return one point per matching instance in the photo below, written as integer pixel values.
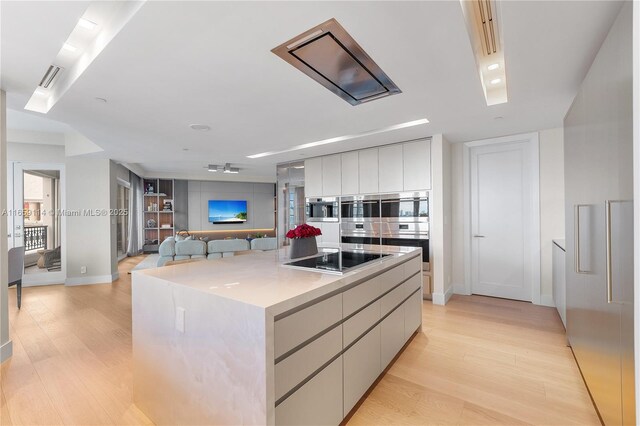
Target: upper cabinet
(390, 178)
(313, 177)
(391, 168)
(331, 175)
(350, 177)
(368, 171)
(416, 159)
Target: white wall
(35, 153)
(551, 208)
(551, 204)
(260, 204)
(6, 347)
(89, 238)
(440, 216)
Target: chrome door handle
(576, 237)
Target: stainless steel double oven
(400, 219)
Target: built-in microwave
(405, 207)
(364, 208)
(325, 209)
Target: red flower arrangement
(304, 231)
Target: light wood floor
(478, 361)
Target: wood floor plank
(477, 361)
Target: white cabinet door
(313, 177)
(331, 175)
(361, 367)
(390, 178)
(417, 165)
(350, 181)
(368, 171)
(392, 336)
(412, 314)
(317, 402)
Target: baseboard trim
(442, 298)
(6, 351)
(93, 279)
(547, 300)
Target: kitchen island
(248, 340)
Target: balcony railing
(35, 237)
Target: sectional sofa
(170, 249)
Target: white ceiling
(178, 63)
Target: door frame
(53, 277)
(532, 140)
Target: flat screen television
(227, 211)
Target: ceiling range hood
(330, 56)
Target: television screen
(227, 211)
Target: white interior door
(501, 217)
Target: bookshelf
(158, 216)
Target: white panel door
(416, 157)
(331, 175)
(500, 220)
(368, 171)
(330, 232)
(349, 165)
(390, 178)
(313, 177)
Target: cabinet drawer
(392, 336)
(393, 299)
(361, 367)
(391, 278)
(412, 314)
(412, 266)
(318, 402)
(360, 322)
(296, 328)
(412, 284)
(358, 296)
(301, 364)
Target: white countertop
(260, 279)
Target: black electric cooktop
(341, 261)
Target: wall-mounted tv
(227, 211)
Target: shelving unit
(156, 193)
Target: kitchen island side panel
(215, 372)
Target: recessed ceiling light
(344, 138)
(87, 24)
(69, 47)
(103, 100)
(200, 127)
(496, 81)
(498, 118)
(493, 67)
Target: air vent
(487, 24)
(50, 76)
(330, 56)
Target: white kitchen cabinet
(350, 177)
(416, 159)
(412, 314)
(313, 177)
(331, 175)
(361, 367)
(317, 402)
(559, 280)
(391, 336)
(368, 171)
(390, 175)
